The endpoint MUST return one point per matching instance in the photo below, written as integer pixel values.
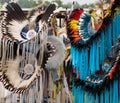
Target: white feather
(3, 92)
(4, 7)
(16, 27)
(12, 72)
(32, 18)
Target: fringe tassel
(66, 91)
(106, 95)
(42, 78)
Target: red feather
(76, 14)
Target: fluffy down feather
(56, 60)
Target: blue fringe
(106, 96)
(97, 98)
(115, 91)
(92, 99)
(111, 93)
(102, 98)
(87, 97)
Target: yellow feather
(74, 21)
(73, 24)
